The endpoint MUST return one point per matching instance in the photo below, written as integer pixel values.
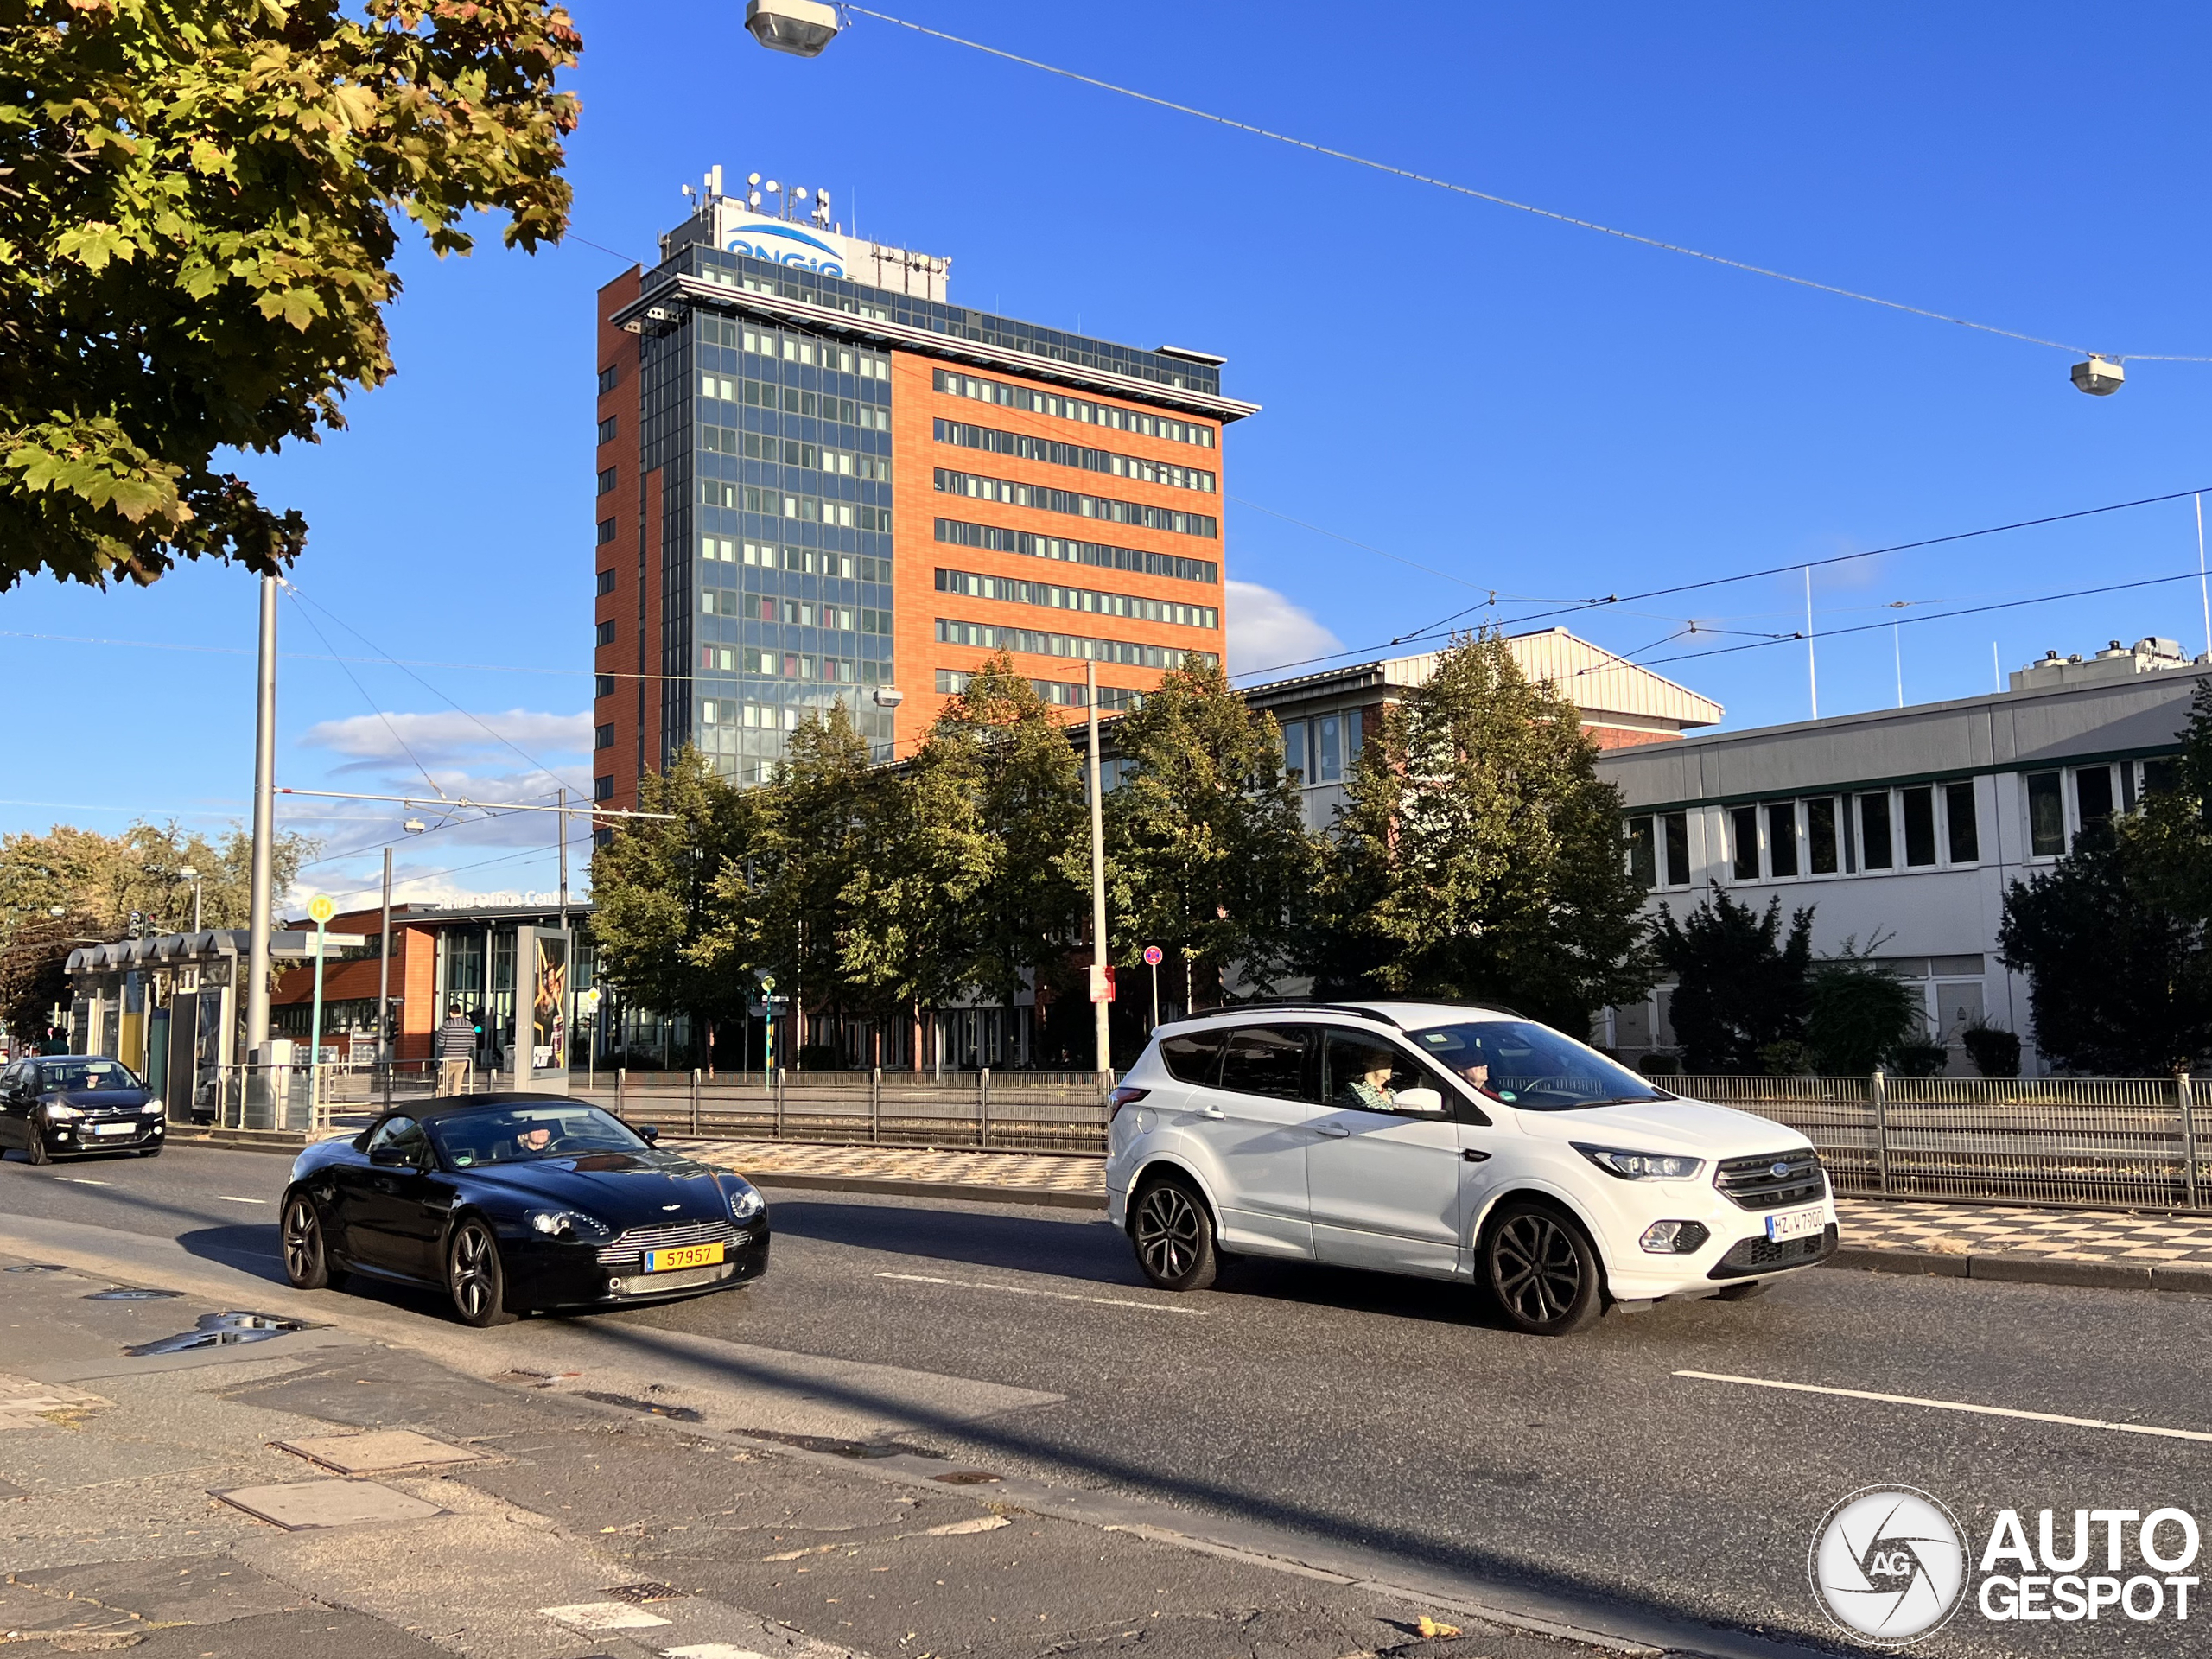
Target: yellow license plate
(683, 1255)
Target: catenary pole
(384, 969)
(1097, 881)
(1812, 672)
(262, 900)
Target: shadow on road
(251, 1249)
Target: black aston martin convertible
(513, 1202)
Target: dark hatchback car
(517, 1203)
(62, 1105)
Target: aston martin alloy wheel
(306, 1257)
(475, 1276)
(1541, 1270)
(1174, 1235)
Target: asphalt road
(1393, 1414)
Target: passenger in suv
(1452, 1142)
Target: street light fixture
(801, 27)
(192, 876)
(2099, 377)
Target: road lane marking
(227, 1199)
(1954, 1405)
(1055, 1295)
(80, 1181)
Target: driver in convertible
(534, 1138)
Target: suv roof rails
(1352, 1008)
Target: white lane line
(80, 1181)
(1055, 1295)
(227, 1199)
(1954, 1405)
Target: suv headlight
(1641, 1166)
(746, 1204)
(570, 1223)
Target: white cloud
(1265, 630)
(450, 739)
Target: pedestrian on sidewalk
(456, 1047)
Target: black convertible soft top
(452, 1105)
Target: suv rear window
(1195, 1058)
(1268, 1061)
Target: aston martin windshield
(520, 1135)
(1532, 1066)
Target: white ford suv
(1453, 1142)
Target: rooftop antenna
(715, 179)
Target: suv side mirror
(1427, 1102)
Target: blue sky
(1517, 405)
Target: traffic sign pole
(1152, 960)
(321, 910)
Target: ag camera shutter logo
(1888, 1565)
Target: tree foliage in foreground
(1479, 857)
(197, 218)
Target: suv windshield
(84, 1074)
(1532, 1066)
(522, 1134)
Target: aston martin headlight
(1641, 1166)
(570, 1223)
(745, 1201)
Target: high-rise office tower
(817, 480)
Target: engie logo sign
(1891, 1565)
(784, 244)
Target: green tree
(99, 882)
(817, 810)
(1207, 857)
(1740, 983)
(2120, 981)
(1479, 856)
(1857, 1012)
(668, 935)
(2166, 847)
(197, 228)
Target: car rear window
(1195, 1058)
(1268, 1060)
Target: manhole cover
(218, 1330)
(129, 1294)
(378, 1451)
(307, 1504)
(643, 1593)
(966, 1478)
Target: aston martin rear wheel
(307, 1255)
(475, 1275)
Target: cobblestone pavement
(2022, 1232)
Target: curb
(290, 1142)
(2029, 1270)
(953, 1190)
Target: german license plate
(113, 1128)
(683, 1255)
(1798, 1224)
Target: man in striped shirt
(456, 1051)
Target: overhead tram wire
(307, 616)
(1507, 201)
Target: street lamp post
(1099, 983)
(192, 876)
(264, 831)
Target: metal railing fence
(2082, 1142)
(1010, 1111)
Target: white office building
(1904, 825)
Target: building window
(606, 532)
(1642, 853)
(607, 430)
(1820, 835)
(605, 634)
(2092, 795)
(1674, 843)
(602, 789)
(1293, 750)
(988, 637)
(1024, 447)
(606, 481)
(1781, 836)
(602, 685)
(962, 534)
(2046, 815)
(606, 583)
(1073, 409)
(1744, 827)
(603, 737)
(1874, 850)
(1919, 806)
(1013, 590)
(608, 377)
(1958, 819)
(1044, 498)
(1336, 746)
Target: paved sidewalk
(2017, 1242)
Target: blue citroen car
(517, 1203)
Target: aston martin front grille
(626, 1250)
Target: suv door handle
(1475, 1157)
(1212, 1111)
(1332, 1128)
